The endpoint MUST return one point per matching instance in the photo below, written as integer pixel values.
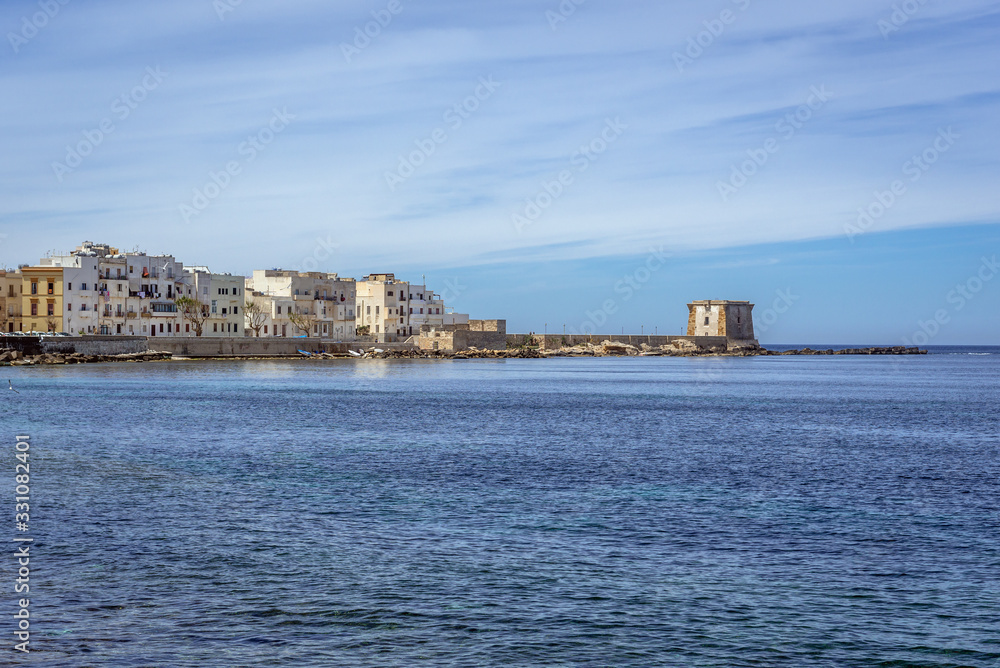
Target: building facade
(41, 299)
(732, 319)
(383, 307)
(292, 303)
(10, 299)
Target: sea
(761, 511)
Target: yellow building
(41, 299)
(10, 300)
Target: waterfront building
(383, 307)
(41, 299)
(720, 317)
(293, 303)
(10, 299)
(221, 298)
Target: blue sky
(530, 153)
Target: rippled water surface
(785, 511)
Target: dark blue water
(787, 511)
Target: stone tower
(720, 317)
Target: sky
(578, 164)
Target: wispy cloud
(326, 175)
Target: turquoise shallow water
(786, 511)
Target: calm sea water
(789, 511)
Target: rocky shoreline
(16, 358)
(603, 349)
(617, 349)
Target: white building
(80, 291)
(223, 295)
(295, 303)
(428, 308)
(383, 307)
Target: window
(161, 327)
(368, 310)
(265, 329)
(376, 310)
(215, 326)
(389, 293)
(215, 305)
(223, 310)
(69, 307)
(706, 319)
(119, 287)
(52, 287)
(438, 311)
(187, 327)
(236, 310)
(83, 286)
(34, 287)
(51, 309)
(34, 308)
(69, 286)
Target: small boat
(354, 353)
(377, 350)
(303, 352)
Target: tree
(193, 311)
(303, 322)
(255, 314)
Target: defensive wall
(556, 341)
(85, 345)
(481, 334)
(245, 346)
